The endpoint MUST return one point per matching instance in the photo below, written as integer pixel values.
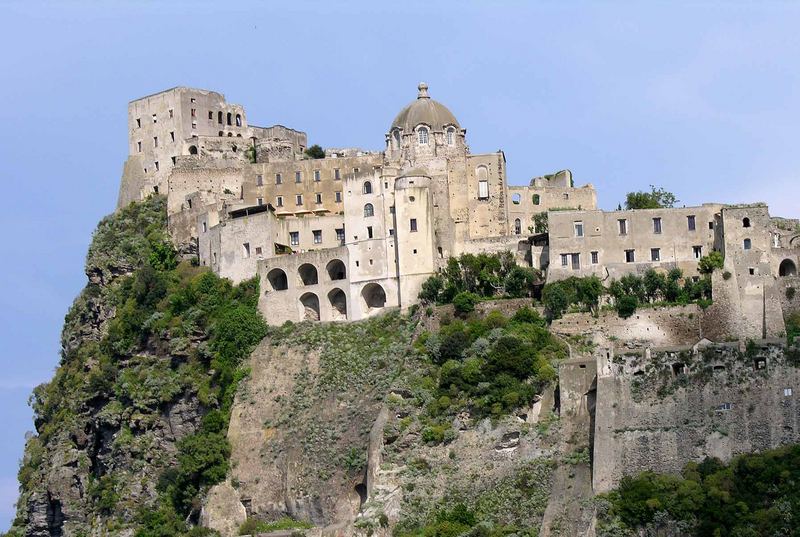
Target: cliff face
(140, 369)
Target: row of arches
(372, 295)
(230, 119)
(307, 274)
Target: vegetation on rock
(754, 495)
(483, 275)
(147, 338)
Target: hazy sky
(699, 98)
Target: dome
(424, 110)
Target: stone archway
(307, 273)
(309, 307)
(277, 280)
(787, 268)
(338, 302)
(336, 270)
(374, 297)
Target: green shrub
(464, 303)
(315, 152)
(626, 306)
(251, 526)
(709, 263)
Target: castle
(345, 236)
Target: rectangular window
(690, 221)
(391, 232)
(787, 392)
(317, 236)
(655, 254)
(656, 225)
(337, 196)
(189, 201)
(156, 164)
(155, 141)
(595, 258)
(318, 197)
(260, 201)
(279, 201)
(210, 114)
(483, 190)
(578, 229)
(171, 136)
(298, 199)
(413, 224)
(391, 209)
(697, 251)
(205, 227)
(174, 160)
(194, 124)
(139, 146)
(369, 232)
(278, 179)
(259, 180)
(340, 235)
(171, 113)
(355, 171)
(194, 113)
(564, 260)
(630, 256)
(576, 261)
(316, 175)
(711, 225)
(139, 122)
(246, 250)
(623, 226)
(294, 238)
(258, 251)
(155, 120)
(336, 174)
(298, 177)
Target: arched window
(517, 226)
(747, 244)
(516, 198)
(336, 270)
(192, 149)
(219, 117)
(369, 210)
(367, 187)
(396, 138)
(482, 172)
(230, 135)
(745, 222)
(238, 120)
(230, 117)
(536, 199)
(221, 134)
(451, 136)
(422, 135)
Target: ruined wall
(524, 202)
(659, 409)
(674, 325)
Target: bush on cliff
(752, 495)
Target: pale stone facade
(247, 201)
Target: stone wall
(659, 409)
(674, 325)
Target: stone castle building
(344, 236)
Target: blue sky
(698, 98)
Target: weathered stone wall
(659, 409)
(674, 325)
(672, 237)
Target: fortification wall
(674, 325)
(657, 410)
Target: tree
(539, 223)
(657, 198)
(626, 306)
(519, 282)
(464, 303)
(709, 263)
(555, 300)
(315, 151)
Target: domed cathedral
(468, 192)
